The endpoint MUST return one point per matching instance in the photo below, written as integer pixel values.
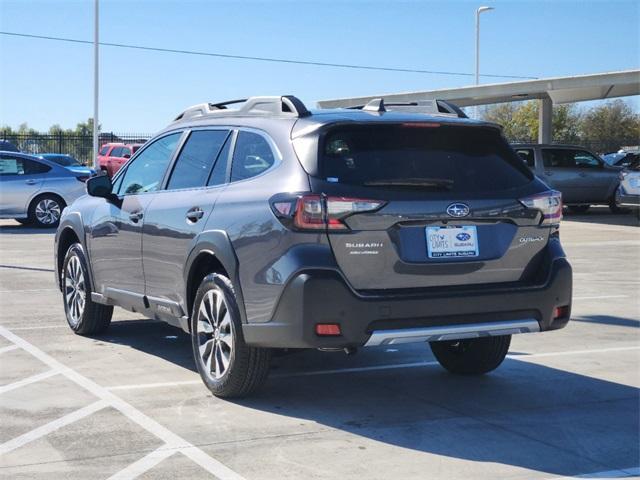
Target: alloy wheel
(74, 290)
(214, 333)
(47, 211)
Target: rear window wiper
(436, 183)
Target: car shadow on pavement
(608, 320)
(17, 229)
(522, 415)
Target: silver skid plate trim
(452, 332)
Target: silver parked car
(35, 190)
(583, 177)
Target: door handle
(195, 214)
(30, 182)
(135, 217)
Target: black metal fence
(79, 146)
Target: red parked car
(113, 155)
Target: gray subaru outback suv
(270, 226)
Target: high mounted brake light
(549, 203)
(317, 212)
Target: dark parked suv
(273, 227)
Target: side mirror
(100, 186)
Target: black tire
(40, 221)
(247, 367)
(614, 207)
(94, 317)
(578, 208)
(473, 356)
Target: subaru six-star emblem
(458, 210)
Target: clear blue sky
(45, 82)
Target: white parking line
(144, 464)
(600, 297)
(154, 385)
(27, 381)
(52, 426)
(8, 348)
(171, 439)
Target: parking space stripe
(8, 348)
(154, 385)
(171, 439)
(27, 381)
(144, 464)
(600, 297)
(52, 426)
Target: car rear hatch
(427, 204)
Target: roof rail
(284, 105)
(431, 107)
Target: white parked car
(628, 193)
(35, 190)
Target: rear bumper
(318, 296)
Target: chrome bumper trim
(452, 332)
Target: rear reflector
(328, 329)
(561, 312)
(549, 203)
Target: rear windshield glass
(415, 156)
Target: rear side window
(526, 154)
(104, 150)
(429, 157)
(196, 159)
(252, 156)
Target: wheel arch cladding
(213, 253)
(69, 232)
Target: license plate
(444, 242)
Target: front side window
(196, 159)
(21, 166)
(146, 171)
(116, 152)
(252, 156)
(104, 150)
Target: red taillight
(317, 212)
(328, 329)
(549, 203)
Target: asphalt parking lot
(129, 404)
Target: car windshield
(64, 160)
(430, 157)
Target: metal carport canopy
(560, 90)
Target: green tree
(612, 125)
(520, 121)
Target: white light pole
(478, 12)
(96, 83)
